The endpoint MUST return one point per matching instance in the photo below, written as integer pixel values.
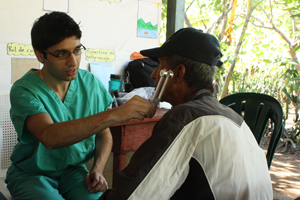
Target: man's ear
(179, 74)
(39, 55)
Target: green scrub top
(29, 95)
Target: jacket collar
(200, 93)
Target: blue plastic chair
(257, 109)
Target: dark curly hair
(52, 28)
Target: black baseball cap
(190, 43)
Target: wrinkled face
(168, 94)
(66, 69)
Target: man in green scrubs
(61, 117)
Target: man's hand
(95, 182)
(135, 108)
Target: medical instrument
(164, 75)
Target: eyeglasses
(66, 54)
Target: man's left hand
(95, 182)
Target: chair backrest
(257, 110)
(8, 135)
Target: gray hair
(197, 74)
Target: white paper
(148, 19)
(102, 70)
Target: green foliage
(291, 90)
(253, 80)
(288, 1)
(264, 62)
(292, 84)
(296, 49)
(296, 15)
(163, 21)
(218, 5)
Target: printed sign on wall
(103, 55)
(19, 49)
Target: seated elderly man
(200, 149)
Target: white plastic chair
(8, 139)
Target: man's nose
(72, 59)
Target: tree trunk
(235, 56)
(238, 47)
(224, 23)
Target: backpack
(138, 73)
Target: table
(130, 135)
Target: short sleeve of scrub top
(86, 96)
(30, 96)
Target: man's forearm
(57, 135)
(102, 150)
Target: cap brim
(154, 53)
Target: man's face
(66, 69)
(168, 94)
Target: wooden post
(175, 16)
